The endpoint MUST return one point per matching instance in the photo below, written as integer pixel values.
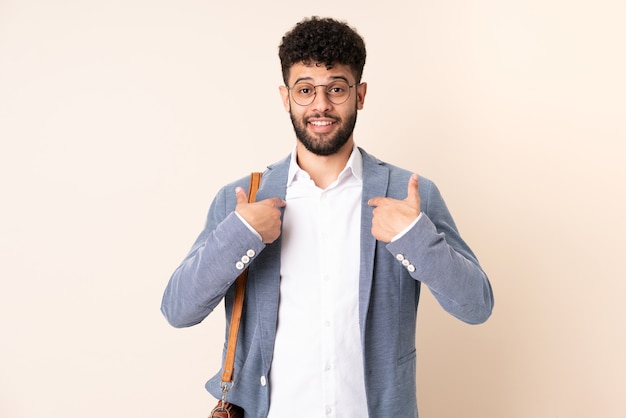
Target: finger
(379, 201)
(242, 197)
(412, 192)
(274, 202)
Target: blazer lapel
(375, 183)
(267, 288)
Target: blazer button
(399, 257)
(405, 262)
(411, 268)
(239, 265)
(250, 253)
(263, 381)
(245, 259)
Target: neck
(324, 169)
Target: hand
(263, 216)
(391, 216)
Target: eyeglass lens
(337, 92)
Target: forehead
(319, 73)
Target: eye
(337, 89)
(303, 89)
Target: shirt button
(399, 257)
(329, 410)
(263, 381)
(245, 259)
(250, 253)
(239, 265)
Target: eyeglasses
(337, 92)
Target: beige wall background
(119, 120)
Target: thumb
(412, 192)
(242, 197)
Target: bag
(225, 409)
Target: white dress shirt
(317, 368)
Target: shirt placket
(327, 325)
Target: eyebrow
(310, 79)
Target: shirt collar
(354, 166)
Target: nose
(320, 101)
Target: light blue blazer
(388, 294)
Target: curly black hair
(322, 41)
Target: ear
(284, 95)
(361, 90)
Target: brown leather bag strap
(240, 290)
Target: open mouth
(321, 125)
(321, 122)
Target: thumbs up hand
(263, 216)
(391, 216)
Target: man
(337, 245)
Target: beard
(324, 144)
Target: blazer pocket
(410, 356)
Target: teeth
(321, 123)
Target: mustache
(322, 115)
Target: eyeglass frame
(290, 89)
